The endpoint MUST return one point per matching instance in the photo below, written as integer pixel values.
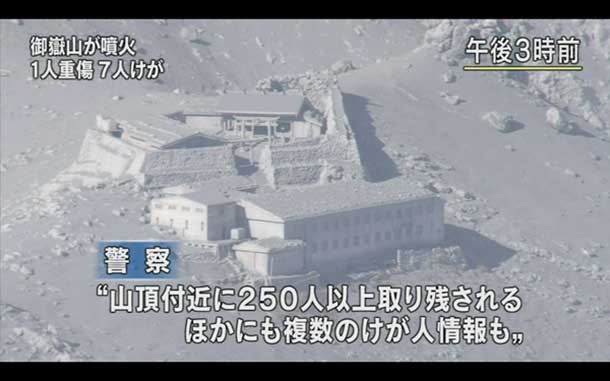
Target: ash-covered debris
(562, 89)
(417, 259)
(314, 84)
(502, 122)
(452, 99)
(557, 120)
(342, 66)
(25, 337)
(449, 77)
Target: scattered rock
(449, 77)
(106, 124)
(342, 66)
(574, 302)
(26, 271)
(464, 194)
(57, 234)
(502, 122)
(558, 121)
(58, 251)
(451, 99)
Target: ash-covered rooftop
(207, 197)
(269, 245)
(337, 197)
(275, 104)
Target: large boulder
(557, 120)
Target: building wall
(361, 233)
(255, 262)
(259, 223)
(188, 219)
(285, 262)
(171, 167)
(260, 229)
(194, 221)
(221, 219)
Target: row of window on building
(186, 225)
(355, 241)
(389, 215)
(175, 207)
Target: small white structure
(272, 256)
(198, 216)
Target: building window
(335, 244)
(221, 211)
(324, 245)
(336, 224)
(314, 247)
(325, 225)
(199, 210)
(357, 220)
(158, 206)
(345, 242)
(378, 215)
(430, 207)
(398, 213)
(157, 220)
(314, 227)
(367, 239)
(388, 214)
(397, 234)
(409, 230)
(418, 230)
(283, 127)
(186, 209)
(409, 212)
(202, 226)
(419, 210)
(171, 207)
(367, 218)
(356, 240)
(377, 236)
(346, 222)
(388, 235)
(171, 222)
(186, 224)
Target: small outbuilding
(272, 256)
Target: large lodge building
(310, 229)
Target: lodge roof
(333, 198)
(269, 245)
(207, 197)
(266, 104)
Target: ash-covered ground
(527, 202)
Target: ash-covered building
(274, 116)
(327, 227)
